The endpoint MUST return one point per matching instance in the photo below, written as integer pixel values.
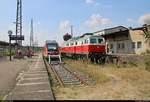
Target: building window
(122, 46)
(133, 45)
(118, 46)
(111, 46)
(139, 44)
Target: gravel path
(9, 72)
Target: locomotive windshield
(96, 40)
(52, 47)
(93, 41)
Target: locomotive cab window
(100, 41)
(93, 40)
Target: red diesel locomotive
(87, 46)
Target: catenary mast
(19, 21)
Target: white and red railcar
(85, 47)
(50, 48)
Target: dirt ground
(9, 72)
(110, 83)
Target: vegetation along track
(67, 77)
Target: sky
(53, 18)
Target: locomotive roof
(82, 37)
(86, 34)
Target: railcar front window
(93, 41)
(52, 47)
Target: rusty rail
(57, 76)
(76, 76)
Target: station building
(122, 40)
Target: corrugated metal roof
(113, 30)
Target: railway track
(66, 77)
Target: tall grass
(1, 97)
(93, 71)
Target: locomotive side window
(100, 41)
(93, 41)
(71, 43)
(67, 44)
(86, 41)
(76, 43)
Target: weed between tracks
(1, 97)
(111, 82)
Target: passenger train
(88, 46)
(51, 48)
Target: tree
(66, 37)
(146, 31)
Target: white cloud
(130, 20)
(90, 1)
(145, 19)
(96, 20)
(64, 25)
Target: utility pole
(31, 34)
(19, 21)
(72, 30)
